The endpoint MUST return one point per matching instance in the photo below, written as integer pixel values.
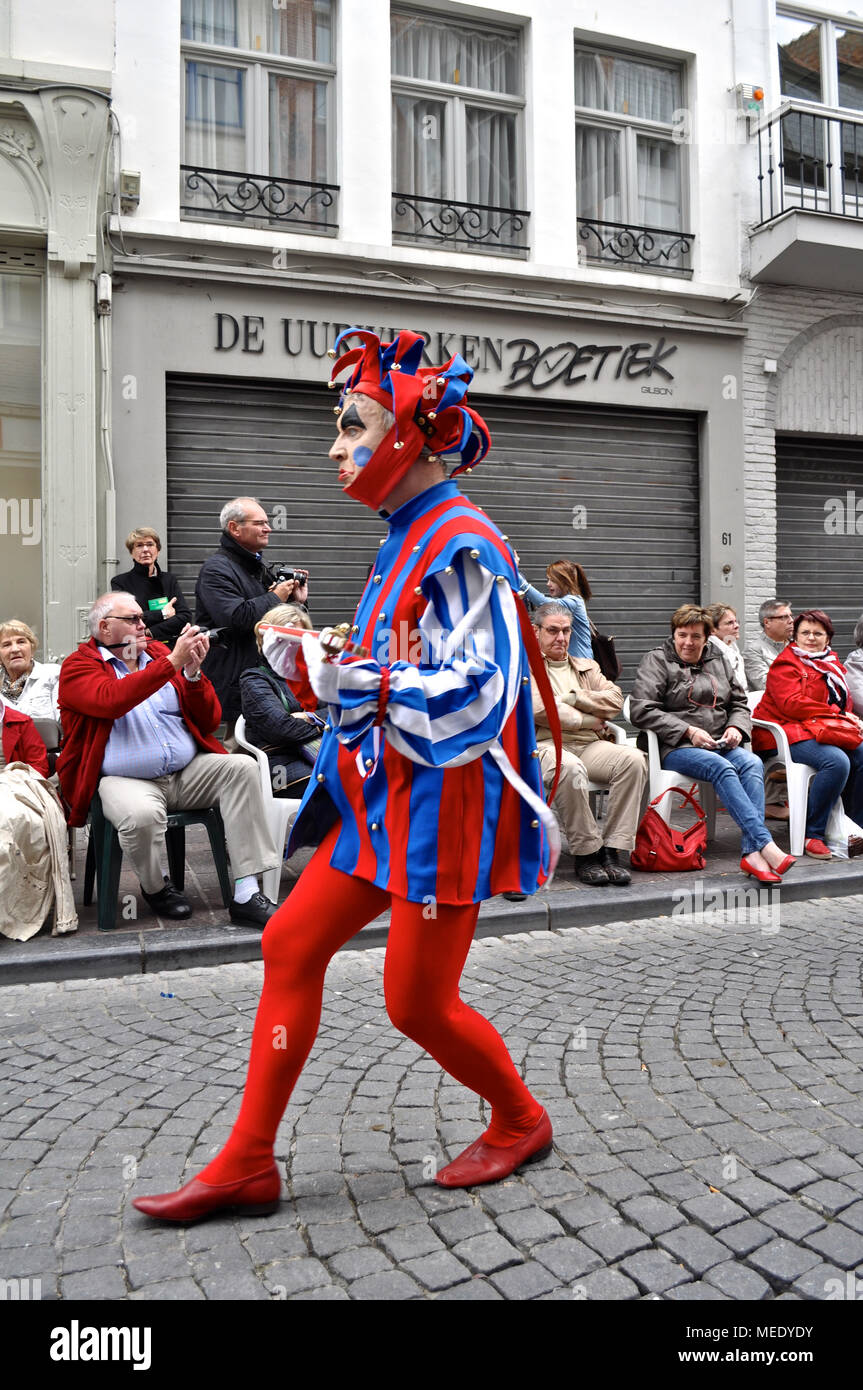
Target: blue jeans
(833, 767)
(738, 777)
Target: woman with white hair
(26, 684)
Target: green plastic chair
(105, 857)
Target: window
(821, 62)
(629, 175)
(259, 79)
(457, 131)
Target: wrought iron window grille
(462, 226)
(228, 195)
(631, 247)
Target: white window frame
(258, 66)
(832, 194)
(457, 99)
(630, 127)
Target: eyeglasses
(778, 618)
(700, 704)
(133, 618)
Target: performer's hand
(282, 651)
(323, 675)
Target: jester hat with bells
(427, 402)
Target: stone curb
(45, 959)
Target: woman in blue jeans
(687, 694)
(807, 682)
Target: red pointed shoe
(788, 862)
(483, 1162)
(768, 877)
(258, 1195)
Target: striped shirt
(152, 739)
(426, 808)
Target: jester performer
(426, 796)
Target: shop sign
(520, 361)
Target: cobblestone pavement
(703, 1075)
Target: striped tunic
(425, 809)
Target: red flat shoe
(258, 1195)
(785, 864)
(816, 849)
(769, 877)
(483, 1162)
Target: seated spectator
(34, 867)
(166, 611)
(807, 682)
(138, 722)
(685, 692)
(275, 719)
(26, 684)
(854, 667)
(585, 699)
(726, 630)
(567, 584)
(775, 618)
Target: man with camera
(138, 723)
(234, 591)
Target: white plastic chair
(280, 810)
(659, 779)
(798, 776)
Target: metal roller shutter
(819, 560)
(634, 472)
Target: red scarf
(828, 665)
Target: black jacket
(232, 592)
(137, 581)
(270, 710)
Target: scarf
(12, 689)
(828, 665)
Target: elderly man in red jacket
(138, 725)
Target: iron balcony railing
(463, 226)
(810, 159)
(225, 195)
(635, 248)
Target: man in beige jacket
(585, 700)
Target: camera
(279, 573)
(215, 634)
(721, 745)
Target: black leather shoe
(589, 870)
(255, 913)
(168, 902)
(613, 867)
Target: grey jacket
(854, 677)
(670, 694)
(759, 656)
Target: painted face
(361, 427)
(554, 637)
(812, 637)
(728, 628)
(16, 654)
(689, 642)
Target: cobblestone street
(703, 1075)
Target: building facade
(803, 261)
(536, 188)
(55, 481)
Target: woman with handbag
(807, 693)
(566, 582)
(685, 692)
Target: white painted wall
(76, 34)
(148, 100)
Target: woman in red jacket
(21, 741)
(807, 683)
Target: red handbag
(662, 848)
(835, 729)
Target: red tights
(424, 960)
